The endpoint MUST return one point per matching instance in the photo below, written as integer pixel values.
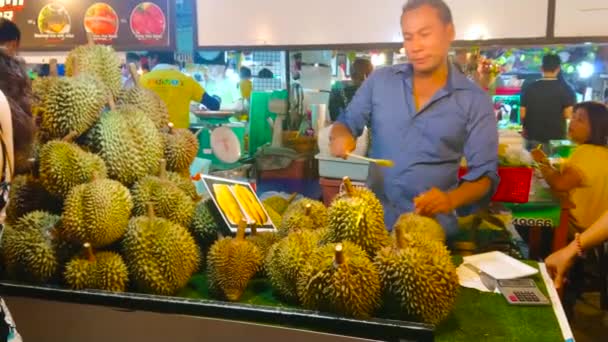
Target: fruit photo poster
(236, 201)
(124, 24)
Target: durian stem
(75, 67)
(254, 230)
(90, 39)
(339, 257)
(150, 207)
(170, 125)
(88, 251)
(308, 209)
(348, 185)
(134, 74)
(401, 241)
(200, 130)
(53, 67)
(70, 137)
(111, 102)
(291, 197)
(162, 173)
(240, 233)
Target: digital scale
(221, 138)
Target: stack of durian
(342, 260)
(108, 204)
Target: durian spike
(88, 251)
(70, 137)
(170, 125)
(348, 185)
(308, 209)
(162, 165)
(240, 233)
(53, 67)
(339, 256)
(134, 74)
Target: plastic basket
(514, 185)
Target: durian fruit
(168, 200)
(101, 271)
(418, 273)
(263, 240)
(339, 278)
(275, 217)
(181, 147)
(71, 105)
(207, 223)
(99, 61)
(315, 210)
(161, 256)
(298, 221)
(231, 263)
(40, 88)
(32, 248)
(412, 223)
(286, 259)
(97, 213)
(279, 203)
(64, 165)
(129, 143)
(185, 184)
(357, 216)
(148, 102)
(26, 195)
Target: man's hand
(433, 202)
(559, 263)
(341, 141)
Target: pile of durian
(342, 260)
(109, 206)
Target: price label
(532, 222)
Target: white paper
(469, 279)
(500, 266)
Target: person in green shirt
(343, 92)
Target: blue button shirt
(426, 145)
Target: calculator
(522, 292)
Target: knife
(487, 280)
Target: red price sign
(9, 7)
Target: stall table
(476, 317)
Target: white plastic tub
(330, 167)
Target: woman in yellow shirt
(585, 175)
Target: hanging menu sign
(64, 24)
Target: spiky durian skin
(275, 217)
(31, 249)
(231, 263)
(26, 195)
(412, 223)
(71, 105)
(207, 222)
(148, 102)
(354, 219)
(161, 256)
(80, 274)
(264, 241)
(350, 289)
(40, 88)
(277, 203)
(97, 212)
(99, 61)
(296, 221)
(318, 211)
(421, 278)
(128, 142)
(181, 147)
(285, 261)
(185, 184)
(107, 272)
(64, 165)
(168, 200)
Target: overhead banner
(63, 24)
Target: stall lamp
(585, 70)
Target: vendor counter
(54, 314)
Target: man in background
(546, 104)
(343, 92)
(175, 88)
(10, 37)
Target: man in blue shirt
(425, 116)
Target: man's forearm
(470, 192)
(596, 234)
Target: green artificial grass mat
(476, 316)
